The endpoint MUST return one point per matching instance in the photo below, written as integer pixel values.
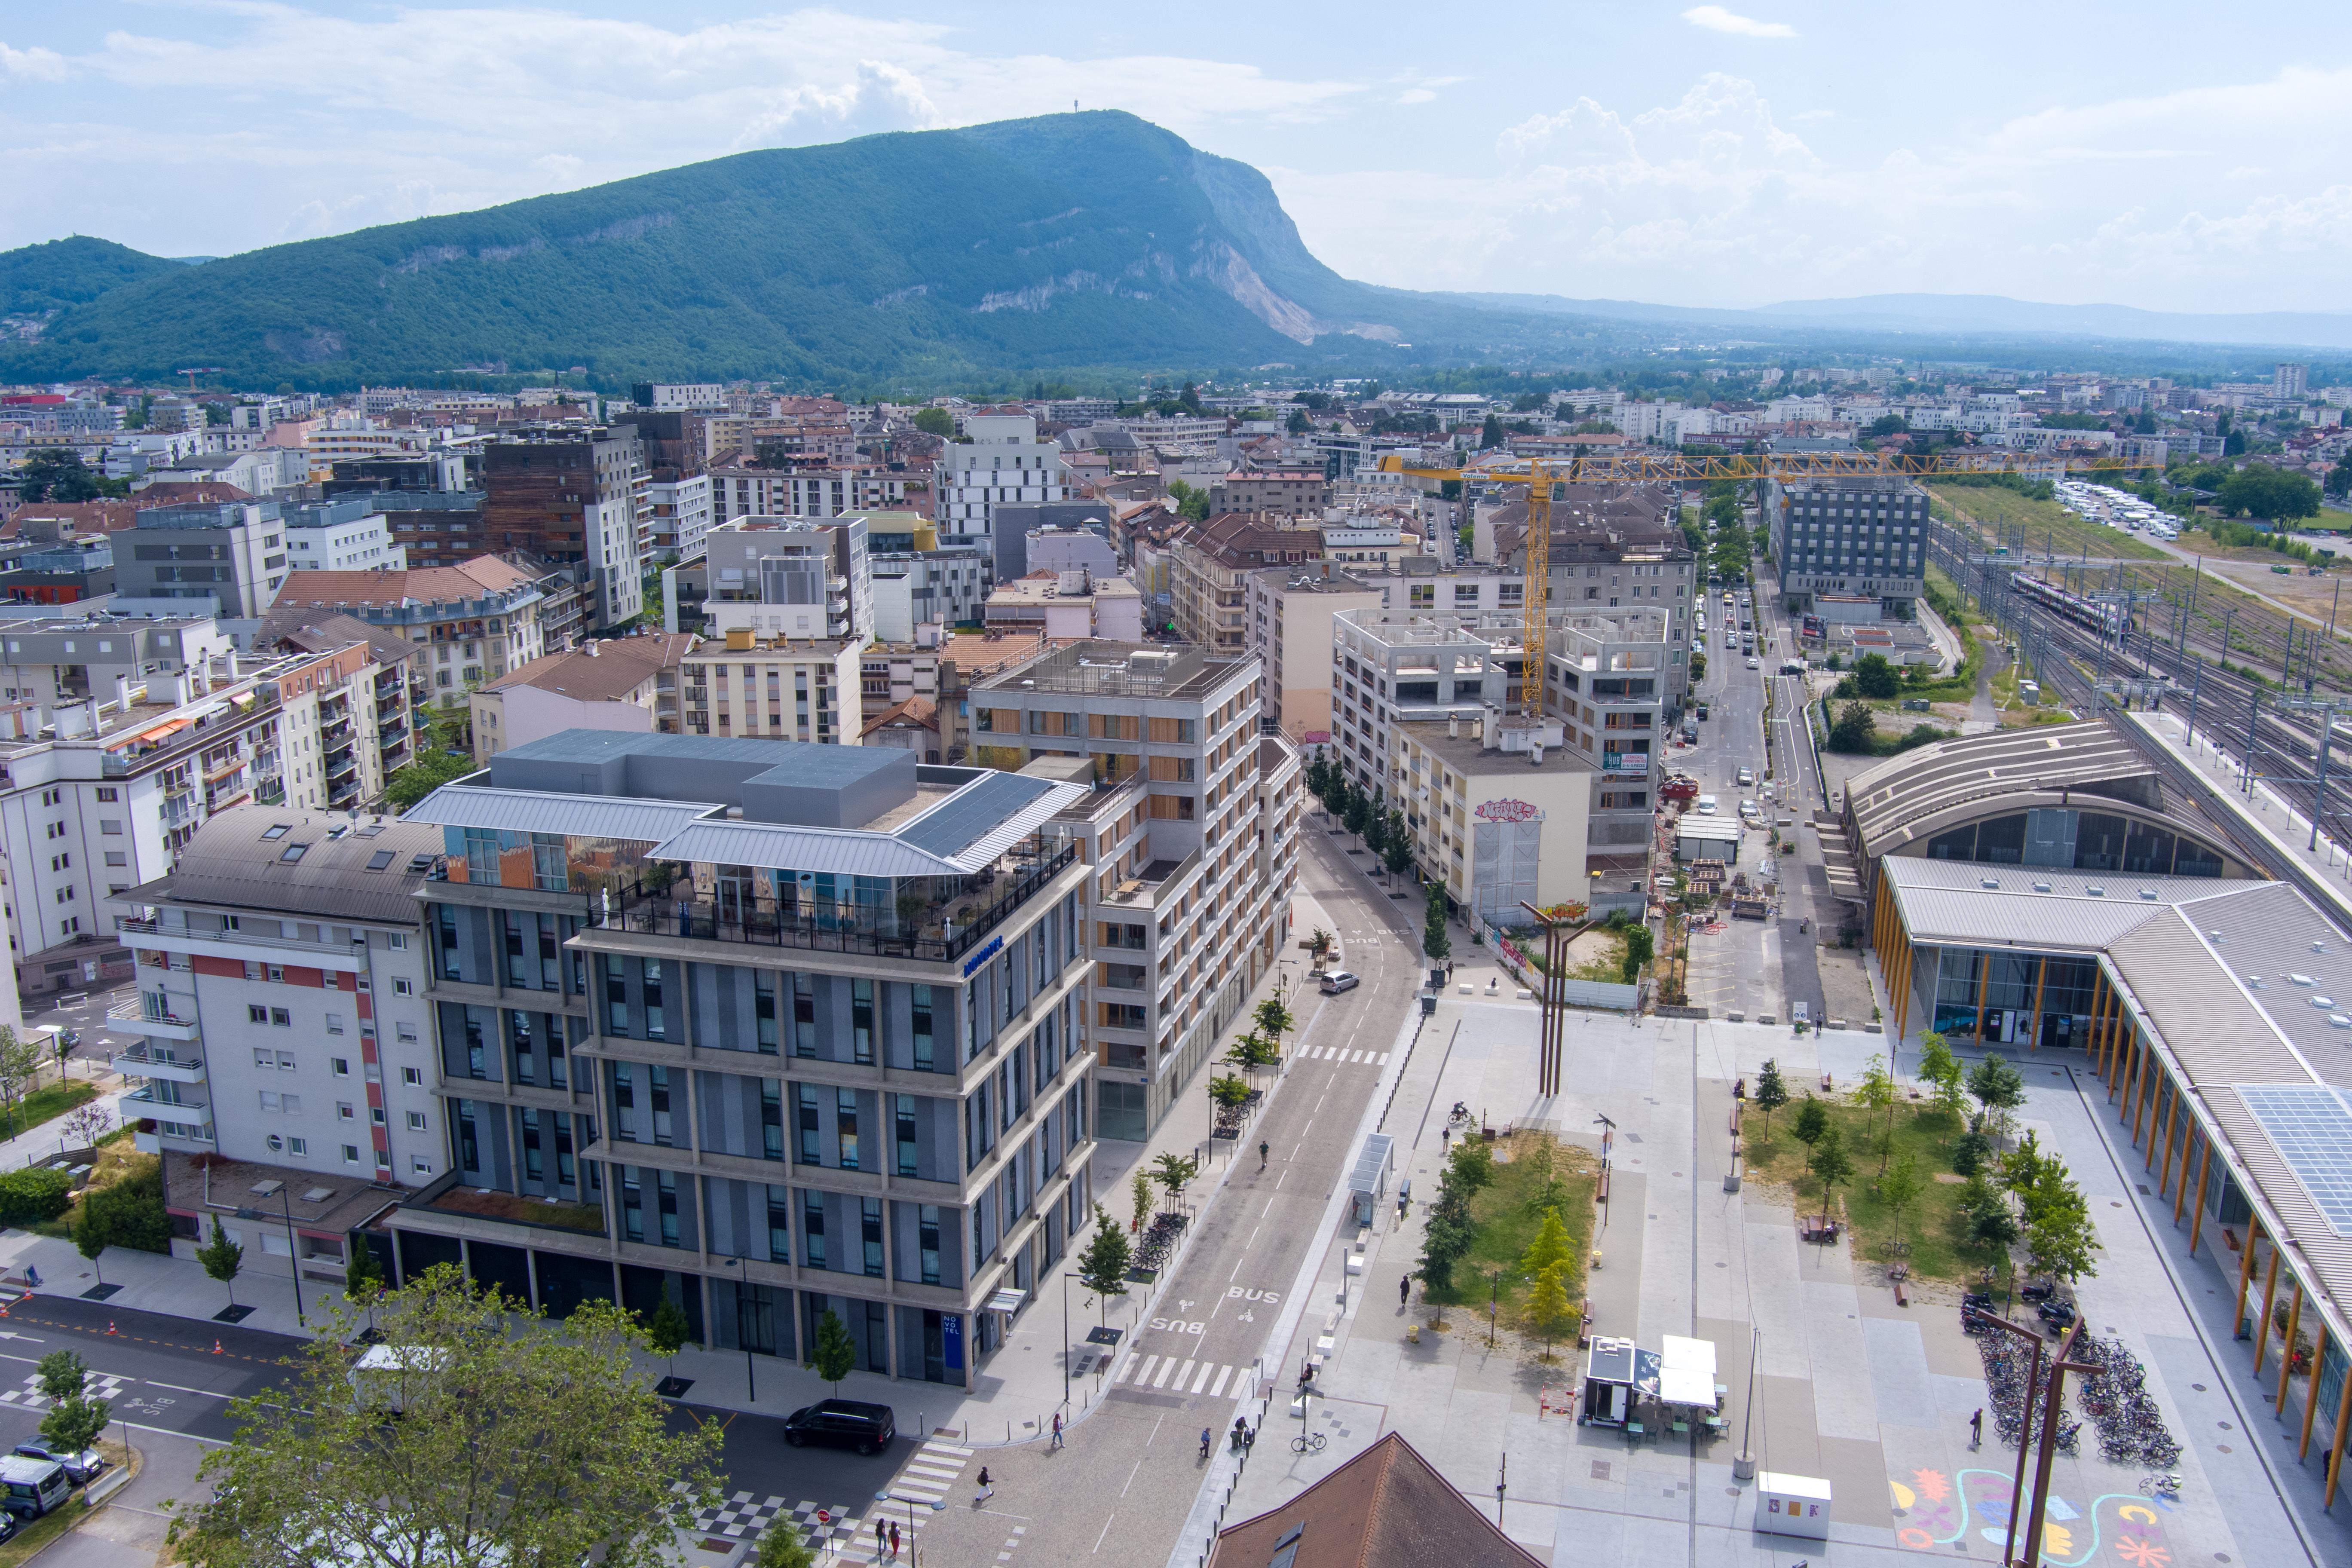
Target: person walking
(881, 1536)
(987, 1487)
(894, 1541)
(1404, 1290)
(1264, 1148)
(1058, 1428)
(1976, 1428)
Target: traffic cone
(110, 1326)
(216, 1348)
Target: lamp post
(743, 1279)
(276, 1188)
(1066, 1339)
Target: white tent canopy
(1687, 1373)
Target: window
(861, 1020)
(298, 1146)
(412, 1077)
(406, 1033)
(341, 1066)
(813, 1230)
(909, 1151)
(292, 852)
(346, 1112)
(279, 1018)
(763, 1008)
(293, 1103)
(334, 1023)
(803, 1016)
(845, 1126)
(869, 1220)
(269, 1099)
(255, 1015)
(922, 1028)
(402, 986)
(927, 1240)
(351, 1153)
(805, 1109)
(420, 1166)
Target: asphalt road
(1120, 1490)
(163, 1372)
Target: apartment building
(1183, 915)
(344, 535)
(230, 558)
(940, 671)
(479, 619)
(400, 681)
(1207, 571)
(282, 1013)
(617, 683)
(679, 396)
(790, 577)
(738, 490)
(1607, 679)
(749, 686)
(1288, 612)
(783, 1030)
(570, 495)
(1073, 603)
(1501, 821)
(1003, 461)
(1849, 547)
(1278, 492)
(680, 505)
(928, 587)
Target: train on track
(2091, 614)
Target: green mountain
(39, 279)
(1050, 245)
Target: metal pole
(293, 1246)
(2253, 712)
(1744, 1466)
(2024, 1441)
(2195, 683)
(2052, 1405)
(1066, 1339)
(2319, 800)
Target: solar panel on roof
(2311, 1127)
(974, 811)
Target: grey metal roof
(1946, 904)
(228, 864)
(815, 767)
(972, 813)
(1923, 790)
(999, 820)
(463, 804)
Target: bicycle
(2164, 1484)
(1308, 1443)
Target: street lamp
(276, 1188)
(751, 1389)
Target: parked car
(843, 1424)
(81, 1468)
(33, 1487)
(1339, 980)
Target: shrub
(130, 1212)
(1969, 1152)
(30, 1196)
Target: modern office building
(783, 1030)
(574, 495)
(231, 558)
(1849, 547)
(1184, 914)
(1003, 461)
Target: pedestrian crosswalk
(930, 1472)
(842, 1532)
(1338, 1054)
(1182, 1375)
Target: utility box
(1793, 1505)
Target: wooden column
(1984, 982)
(2196, 1220)
(2163, 1096)
(2246, 1271)
(2171, 1125)
(2270, 1294)
(2188, 1147)
(2311, 1394)
(2040, 985)
(1903, 992)
(2135, 1064)
(2336, 1449)
(2287, 1356)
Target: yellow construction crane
(1547, 478)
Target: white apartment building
(928, 587)
(341, 536)
(790, 577)
(281, 977)
(681, 512)
(1003, 462)
(774, 688)
(739, 492)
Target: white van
(34, 1486)
(1707, 805)
(388, 1377)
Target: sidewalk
(2266, 812)
(36, 1144)
(1015, 1394)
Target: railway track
(2229, 711)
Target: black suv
(844, 1424)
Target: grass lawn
(1933, 1225)
(44, 1105)
(1506, 1229)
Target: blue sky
(2170, 156)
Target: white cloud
(1416, 95)
(34, 64)
(1715, 19)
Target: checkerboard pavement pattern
(105, 1385)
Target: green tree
(2272, 494)
(834, 1353)
(1191, 504)
(1103, 1265)
(1547, 1303)
(1830, 1164)
(1436, 944)
(1299, 423)
(666, 1331)
(1940, 1068)
(1396, 854)
(1549, 1192)
(2060, 1240)
(20, 1069)
(1874, 677)
(1878, 1091)
(781, 1545)
(1376, 830)
(1989, 1222)
(92, 1234)
(221, 1258)
(363, 1275)
(1899, 1188)
(1552, 1245)
(521, 1441)
(1772, 1094)
(1357, 811)
(1227, 1091)
(59, 474)
(1141, 1189)
(1999, 1087)
(935, 422)
(1472, 1165)
(1856, 725)
(1449, 1231)
(1490, 435)
(1174, 1172)
(73, 1424)
(60, 1374)
(1274, 1021)
(1812, 1122)
(1639, 947)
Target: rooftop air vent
(1988, 882)
(2149, 894)
(2319, 947)
(2323, 1002)
(2303, 980)
(2096, 892)
(2339, 1020)
(2041, 887)
(2254, 982)
(2216, 936)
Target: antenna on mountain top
(1073, 105)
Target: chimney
(589, 647)
(122, 694)
(1535, 750)
(1453, 726)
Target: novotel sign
(989, 950)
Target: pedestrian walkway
(840, 1530)
(2263, 809)
(1186, 1377)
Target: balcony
(143, 1061)
(179, 808)
(143, 1103)
(940, 931)
(151, 1015)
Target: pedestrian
(1404, 1290)
(1976, 1428)
(881, 1536)
(987, 1487)
(1264, 1148)
(1058, 1428)
(894, 1541)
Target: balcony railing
(639, 907)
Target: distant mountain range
(1068, 244)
